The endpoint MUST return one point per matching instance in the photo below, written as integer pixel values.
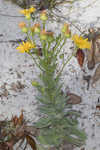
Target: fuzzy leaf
(42, 122)
(49, 137)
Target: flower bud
(43, 35)
(65, 27)
(25, 30)
(66, 31)
(67, 34)
(37, 28)
(43, 16)
(50, 36)
(22, 24)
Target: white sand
(12, 62)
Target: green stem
(43, 48)
(48, 46)
(61, 46)
(43, 25)
(58, 43)
(35, 61)
(66, 64)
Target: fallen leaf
(83, 148)
(80, 57)
(39, 52)
(20, 119)
(96, 75)
(15, 120)
(3, 146)
(73, 99)
(19, 85)
(97, 50)
(94, 53)
(5, 93)
(98, 107)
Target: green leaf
(74, 141)
(49, 137)
(43, 100)
(74, 113)
(42, 122)
(80, 134)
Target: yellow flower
(24, 11)
(27, 12)
(32, 10)
(81, 42)
(25, 47)
(43, 16)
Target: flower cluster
(79, 41)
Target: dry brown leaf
(3, 146)
(5, 93)
(80, 57)
(98, 107)
(94, 53)
(20, 119)
(15, 120)
(19, 85)
(10, 145)
(73, 99)
(91, 61)
(96, 75)
(31, 142)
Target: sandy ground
(16, 68)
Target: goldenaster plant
(59, 122)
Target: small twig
(12, 41)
